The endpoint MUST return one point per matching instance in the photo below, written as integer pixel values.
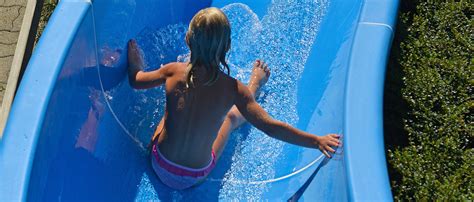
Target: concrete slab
(11, 17)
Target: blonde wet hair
(208, 38)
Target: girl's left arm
(137, 77)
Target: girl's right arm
(137, 77)
(258, 117)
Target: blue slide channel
(78, 131)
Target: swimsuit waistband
(179, 169)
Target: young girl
(204, 105)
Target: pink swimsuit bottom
(178, 176)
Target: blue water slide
(78, 131)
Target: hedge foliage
(46, 11)
(438, 76)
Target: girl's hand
(324, 143)
(135, 58)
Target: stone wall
(11, 17)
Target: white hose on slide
(270, 180)
(138, 142)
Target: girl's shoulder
(175, 66)
(228, 80)
(178, 65)
(226, 77)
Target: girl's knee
(234, 116)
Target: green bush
(46, 11)
(435, 57)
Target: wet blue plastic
(333, 82)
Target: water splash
(283, 39)
(163, 45)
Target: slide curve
(78, 131)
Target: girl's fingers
(328, 148)
(131, 45)
(326, 153)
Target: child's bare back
(195, 115)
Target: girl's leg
(232, 121)
(234, 118)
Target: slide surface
(78, 131)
